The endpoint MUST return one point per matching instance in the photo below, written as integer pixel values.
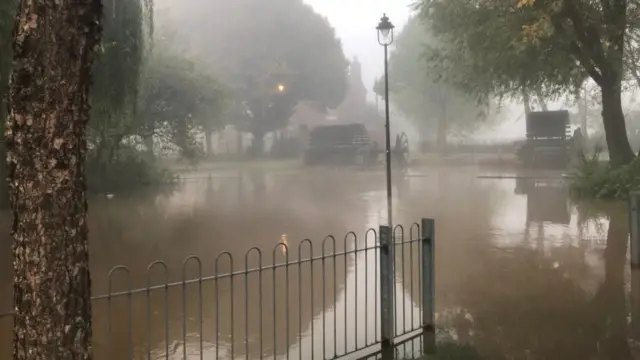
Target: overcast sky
(355, 22)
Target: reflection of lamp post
(385, 38)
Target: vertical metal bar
(366, 289)
(246, 298)
(346, 293)
(335, 302)
(324, 306)
(313, 349)
(411, 244)
(246, 305)
(355, 293)
(376, 273)
(130, 320)
(260, 307)
(387, 322)
(217, 295)
(231, 294)
(387, 136)
(184, 305)
(275, 317)
(286, 298)
(166, 313)
(200, 313)
(217, 311)
(404, 293)
(634, 228)
(148, 292)
(428, 285)
(300, 294)
(184, 312)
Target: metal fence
(356, 297)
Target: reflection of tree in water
(512, 302)
(524, 306)
(210, 229)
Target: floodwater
(521, 272)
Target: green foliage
(417, 92)
(595, 179)
(128, 172)
(7, 14)
(547, 47)
(178, 98)
(257, 45)
(483, 49)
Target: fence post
(387, 309)
(634, 227)
(427, 264)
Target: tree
(126, 41)
(265, 45)
(546, 46)
(7, 12)
(54, 50)
(7, 16)
(176, 97)
(418, 94)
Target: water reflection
(520, 274)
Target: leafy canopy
(256, 45)
(486, 46)
(416, 90)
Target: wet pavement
(521, 271)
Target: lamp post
(385, 38)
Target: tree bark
(581, 100)
(208, 139)
(615, 129)
(526, 101)
(149, 144)
(54, 45)
(442, 131)
(257, 145)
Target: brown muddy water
(521, 272)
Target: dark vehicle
(350, 144)
(548, 143)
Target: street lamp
(385, 38)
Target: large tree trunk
(526, 101)
(620, 151)
(581, 100)
(442, 132)
(257, 145)
(55, 46)
(149, 143)
(208, 139)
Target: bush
(130, 171)
(600, 180)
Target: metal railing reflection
(306, 303)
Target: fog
(260, 127)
